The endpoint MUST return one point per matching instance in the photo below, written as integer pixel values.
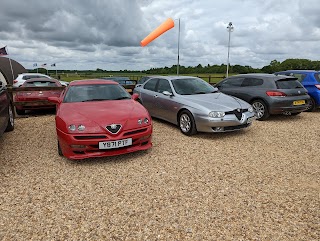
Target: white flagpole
(10, 65)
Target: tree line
(274, 66)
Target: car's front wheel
(10, 125)
(186, 123)
(20, 112)
(261, 109)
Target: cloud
(107, 34)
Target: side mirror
(54, 100)
(135, 96)
(167, 93)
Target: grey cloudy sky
(106, 34)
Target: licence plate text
(115, 144)
(299, 102)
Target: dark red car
(98, 118)
(37, 99)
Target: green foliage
(289, 64)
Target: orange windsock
(165, 26)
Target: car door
(4, 103)
(231, 86)
(148, 96)
(167, 109)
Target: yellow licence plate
(299, 102)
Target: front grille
(89, 137)
(114, 128)
(135, 132)
(237, 113)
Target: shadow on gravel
(35, 113)
(107, 160)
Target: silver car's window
(151, 84)
(97, 92)
(192, 86)
(164, 85)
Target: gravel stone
(261, 183)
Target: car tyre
(59, 150)
(186, 123)
(10, 125)
(261, 109)
(20, 112)
(312, 105)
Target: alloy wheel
(259, 108)
(185, 123)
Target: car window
(231, 83)
(250, 82)
(288, 84)
(151, 84)
(40, 84)
(164, 85)
(84, 93)
(300, 77)
(142, 80)
(192, 86)
(317, 77)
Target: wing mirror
(167, 93)
(135, 96)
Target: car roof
(34, 74)
(171, 77)
(298, 71)
(92, 81)
(264, 76)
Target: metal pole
(228, 53)
(178, 48)
(230, 29)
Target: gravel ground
(256, 184)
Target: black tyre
(186, 123)
(261, 109)
(10, 125)
(59, 150)
(312, 105)
(20, 112)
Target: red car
(98, 118)
(37, 99)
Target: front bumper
(230, 122)
(81, 146)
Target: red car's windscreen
(95, 92)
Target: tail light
(275, 93)
(317, 86)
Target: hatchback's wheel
(20, 112)
(10, 125)
(59, 150)
(261, 109)
(312, 105)
(187, 124)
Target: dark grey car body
(6, 110)
(161, 98)
(276, 94)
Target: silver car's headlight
(216, 114)
(250, 109)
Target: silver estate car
(193, 105)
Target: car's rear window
(40, 84)
(288, 84)
(317, 76)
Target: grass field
(134, 76)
